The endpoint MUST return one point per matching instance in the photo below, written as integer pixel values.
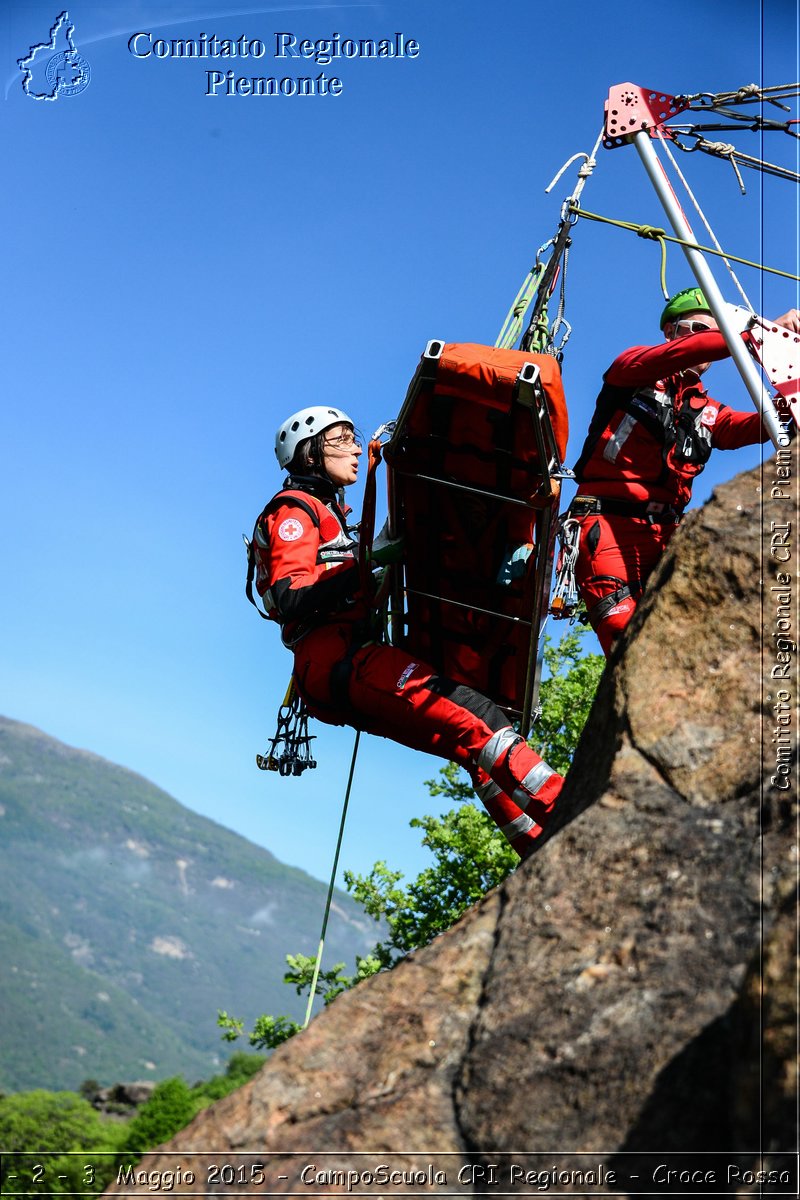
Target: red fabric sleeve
(734, 429)
(643, 365)
(293, 544)
(300, 586)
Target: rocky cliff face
(625, 1002)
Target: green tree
(168, 1109)
(84, 1149)
(240, 1069)
(470, 857)
(56, 1123)
(566, 697)
(269, 1032)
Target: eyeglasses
(684, 327)
(344, 440)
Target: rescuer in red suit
(653, 430)
(308, 578)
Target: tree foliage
(470, 857)
(565, 697)
(269, 1032)
(240, 1069)
(45, 1127)
(85, 1149)
(168, 1109)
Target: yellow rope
(661, 236)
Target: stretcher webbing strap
(367, 526)
(441, 417)
(502, 425)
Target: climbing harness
(597, 612)
(289, 752)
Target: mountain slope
(126, 921)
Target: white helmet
(305, 424)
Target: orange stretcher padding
(467, 488)
(487, 376)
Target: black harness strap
(340, 708)
(277, 501)
(603, 607)
(653, 512)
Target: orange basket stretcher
(474, 469)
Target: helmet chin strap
(318, 481)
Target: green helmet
(689, 300)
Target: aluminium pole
(744, 363)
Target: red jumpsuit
(307, 575)
(652, 431)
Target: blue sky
(184, 270)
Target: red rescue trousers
(616, 556)
(383, 690)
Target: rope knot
(725, 149)
(651, 231)
(749, 89)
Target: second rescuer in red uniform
(308, 578)
(652, 432)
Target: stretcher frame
(529, 393)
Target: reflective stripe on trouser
(520, 773)
(498, 745)
(531, 784)
(394, 695)
(516, 826)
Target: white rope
(702, 216)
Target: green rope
(318, 962)
(660, 235)
(512, 326)
(657, 235)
